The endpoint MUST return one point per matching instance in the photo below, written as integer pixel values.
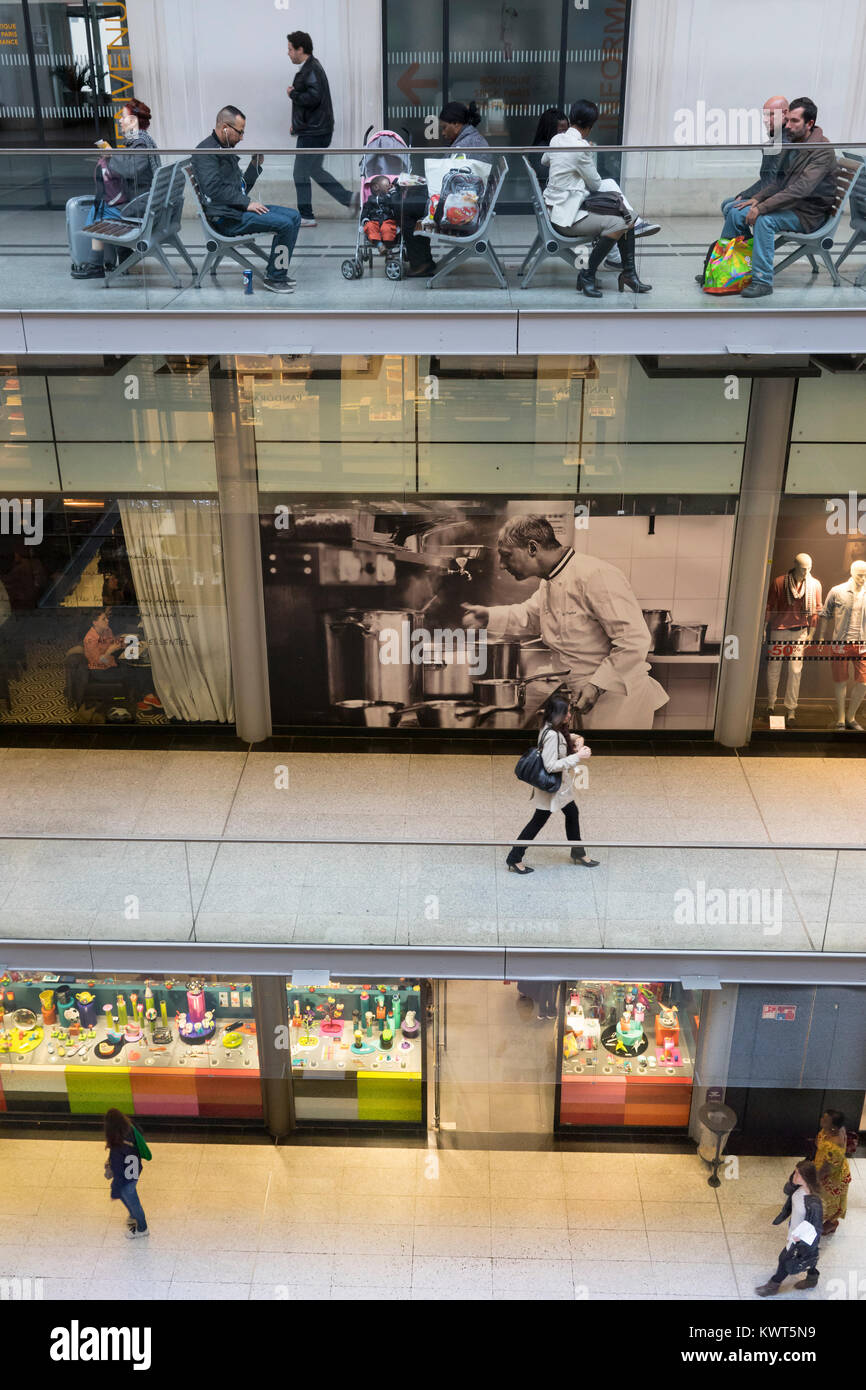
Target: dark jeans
(312, 166)
(783, 1270)
(283, 222)
(539, 820)
(414, 208)
(129, 1198)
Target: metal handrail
(461, 844)
(412, 149)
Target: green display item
(390, 1097)
(395, 1004)
(93, 1090)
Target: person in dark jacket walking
(798, 200)
(803, 1208)
(123, 1167)
(313, 124)
(228, 204)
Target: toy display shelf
(207, 1080)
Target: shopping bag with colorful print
(728, 267)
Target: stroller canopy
(383, 156)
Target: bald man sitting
(775, 111)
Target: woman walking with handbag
(804, 1215)
(561, 752)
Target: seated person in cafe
(799, 199)
(100, 645)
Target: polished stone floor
(255, 1221)
(397, 848)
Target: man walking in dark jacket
(227, 202)
(313, 124)
(799, 199)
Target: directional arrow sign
(407, 83)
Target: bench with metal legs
(820, 242)
(477, 243)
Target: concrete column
(234, 445)
(763, 475)
(713, 1052)
(271, 1007)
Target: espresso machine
(333, 583)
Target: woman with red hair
(121, 178)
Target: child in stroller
(381, 206)
(380, 215)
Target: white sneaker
(309, 222)
(644, 228)
(136, 1234)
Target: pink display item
(331, 1028)
(195, 1005)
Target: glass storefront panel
(160, 1047)
(628, 1055)
(813, 659)
(359, 1052)
(112, 586)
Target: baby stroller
(382, 159)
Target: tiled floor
(39, 278)
(258, 1222)
(394, 891)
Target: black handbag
(530, 768)
(608, 204)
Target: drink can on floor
(248, 282)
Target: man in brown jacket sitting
(799, 198)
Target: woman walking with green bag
(126, 1149)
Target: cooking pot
(449, 714)
(686, 637)
(355, 666)
(370, 714)
(535, 659)
(508, 694)
(502, 658)
(445, 675)
(658, 621)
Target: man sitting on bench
(227, 203)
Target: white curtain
(175, 553)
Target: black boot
(628, 277)
(586, 278)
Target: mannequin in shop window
(843, 619)
(793, 604)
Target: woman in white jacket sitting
(573, 176)
(561, 751)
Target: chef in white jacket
(586, 613)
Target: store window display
(358, 1052)
(157, 1046)
(793, 604)
(843, 620)
(627, 1055)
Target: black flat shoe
(521, 869)
(417, 271)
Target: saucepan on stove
(508, 694)
(369, 714)
(449, 714)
